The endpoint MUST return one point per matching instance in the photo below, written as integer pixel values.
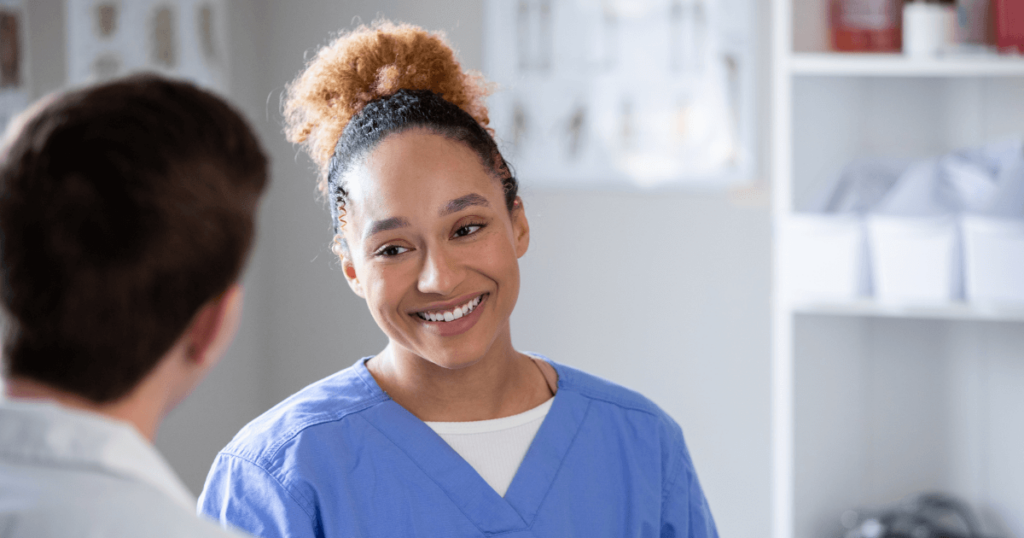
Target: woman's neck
(502, 383)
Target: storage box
(1009, 15)
(914, 259)
(993, 259)
(825, 257)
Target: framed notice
(14, 74)
(112, 38)
(624, 92)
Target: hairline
(361, 158)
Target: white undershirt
(494, 448)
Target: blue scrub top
(341, 459)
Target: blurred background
(831, 308)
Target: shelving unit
(872, 401)
(897, 65)
(955, 311)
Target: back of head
(123, 209)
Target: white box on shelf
(914, 259)
(825, 257)
(993, 259)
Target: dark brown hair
(124, 208)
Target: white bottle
(929, 28)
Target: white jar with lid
(929, 28)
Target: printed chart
(14, 79)
(624, 92)
(182, 38)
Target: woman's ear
(349, 269)
(340, 249)
(520, 227)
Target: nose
(440, 273)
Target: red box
(1009, 15)
(866, 25)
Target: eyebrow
(453, 206)
(384, 225)
(463, 202)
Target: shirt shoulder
(614, 400)
(330, 400)
(598, 389)
(617, 402)
(45, 501)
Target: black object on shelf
(928, 515)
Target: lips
(451, 314)
(447, 324)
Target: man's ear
(214, 326)
(520, 227)
(349, 269)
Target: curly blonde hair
(367, 64)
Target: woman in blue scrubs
(448, 431)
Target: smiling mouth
(453, 314)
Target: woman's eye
(468, 229)
(391, 250)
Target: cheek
(500, 261)
(384, 292)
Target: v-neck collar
(477, 500)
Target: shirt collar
(44, 433)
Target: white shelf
(950, 311)
(866, 408)
(898, 65)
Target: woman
(448, 431)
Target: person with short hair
(127, 212)
(449, 431)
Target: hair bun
(369, 63)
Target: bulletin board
(624, 92)
(181, 38)
(14, 72)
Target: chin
(454, 360)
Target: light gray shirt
(67, 473)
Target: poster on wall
(624, 92)
(14, 83)
(180, 38)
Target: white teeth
(453, 314)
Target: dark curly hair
(382, 80)
(409, 109)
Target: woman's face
(433, 249)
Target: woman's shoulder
(625, 410)
(596, 388)
(328, 401)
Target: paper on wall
(182, 38)
(14, 60)
(643, 92)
